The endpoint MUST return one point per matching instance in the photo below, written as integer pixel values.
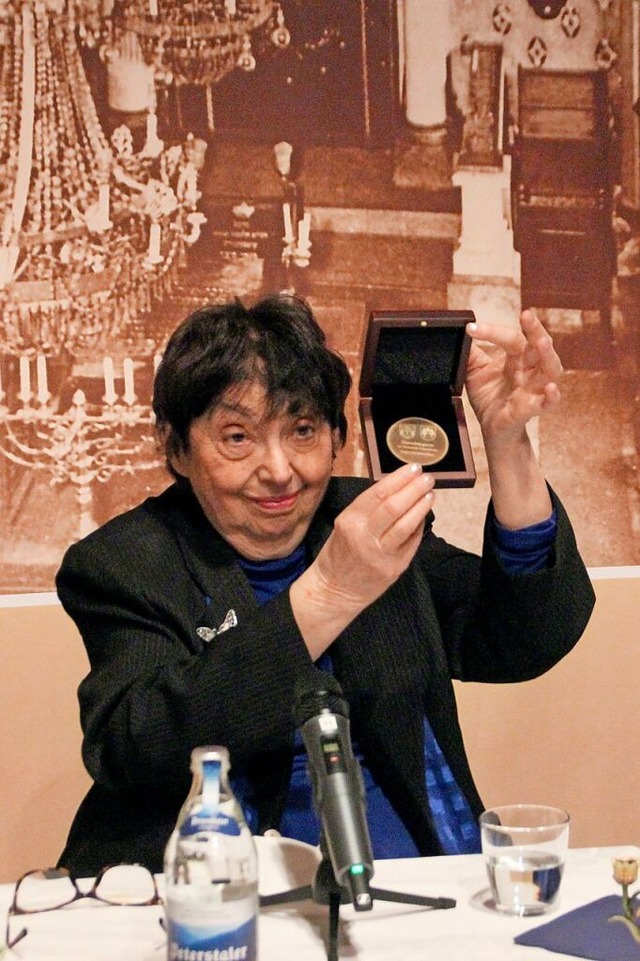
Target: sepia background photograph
(369, 155)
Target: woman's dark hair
(277, 342)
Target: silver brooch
(208, 633)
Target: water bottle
(211, 870)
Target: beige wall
(569, 738)
(41, 775)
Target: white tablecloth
(89, 931)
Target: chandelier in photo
(196, 41)
(91, 233)
(184, 42)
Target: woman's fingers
(397, 504)
(510, 339)
(515, 340)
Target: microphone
(322, 715)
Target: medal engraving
(416, 440)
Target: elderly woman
(200, 607)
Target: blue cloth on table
(586, 932)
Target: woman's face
(258, 478)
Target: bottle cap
(209, 753)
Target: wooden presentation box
(413, 370)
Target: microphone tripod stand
(326, 890)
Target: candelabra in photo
(296, 250)
(89, 441)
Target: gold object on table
(416, 440)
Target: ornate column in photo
(424, 40)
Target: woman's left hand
(508, 387)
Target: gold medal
(416, 440)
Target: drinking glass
(524, 847)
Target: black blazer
(181, 655)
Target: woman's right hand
(373, 541)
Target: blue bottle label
(204, 820)
(200, 943)
(209, 817)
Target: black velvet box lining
(428, 356)
(390, 403)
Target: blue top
(521, 552)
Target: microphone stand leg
(334, 918)
(426, 902)
(285, 897)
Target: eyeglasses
(49, 890)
